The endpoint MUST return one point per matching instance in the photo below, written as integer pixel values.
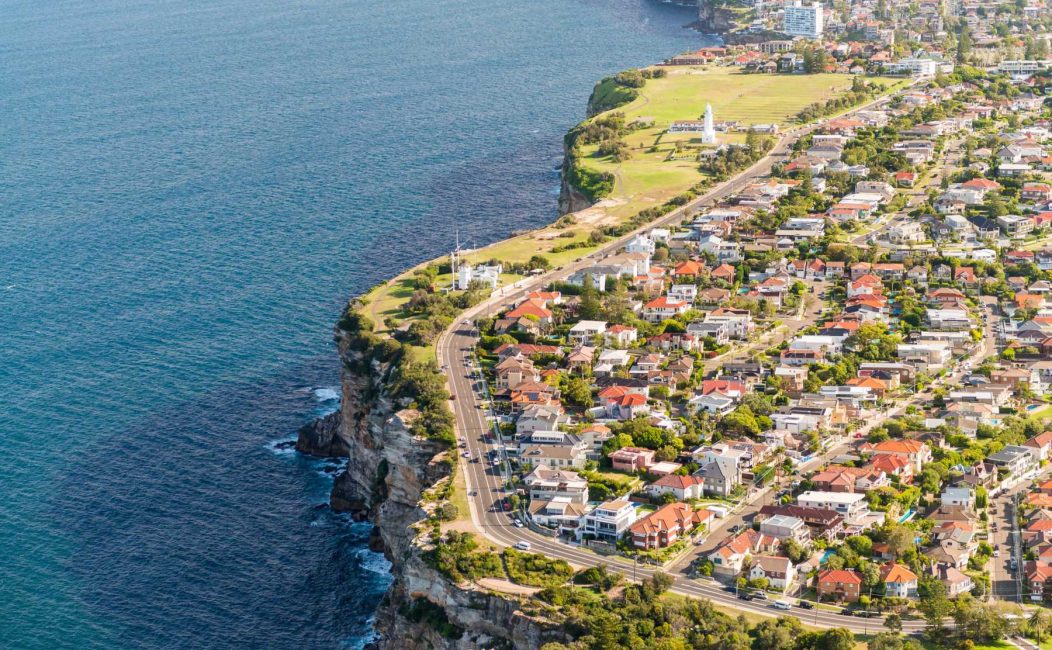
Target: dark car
(745, 596)
(806, 604)
(866, 614)
(845, 612)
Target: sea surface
(189, 191)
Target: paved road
(485, 486)
(485, 481)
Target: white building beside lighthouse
(708, 132)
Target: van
(522, 546)
(783, 604)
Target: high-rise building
(804, 19)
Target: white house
(584, 331)
(608, 521)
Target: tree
(964, 45)
(590, 307)
(1039, 626)
(576, 392)
(795, 551)
(892, 641)
(660, 582)
(980, 622)
(780, 634)
(933, 604)
(893, 622)
(741, 420)
(900, 540)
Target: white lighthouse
(708, 133)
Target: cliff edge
(389, 471)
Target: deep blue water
(189, 190)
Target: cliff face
(570, 198)
(713, 19)
(387, 473)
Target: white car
(522, 546)
(518, 523)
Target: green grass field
(664, 164)
(649, 177)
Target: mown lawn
(663, 164)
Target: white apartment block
(804, 19)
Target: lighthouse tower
(708, 133)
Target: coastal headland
(399, 347)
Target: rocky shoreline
(388, 471)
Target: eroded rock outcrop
(388, 470)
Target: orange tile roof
(840, 575)
(897, 573)
(529, 308)
(899, 446)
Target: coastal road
(486, 488)
(485, 482)
(486, 485)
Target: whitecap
(327, 394)
(283, 446)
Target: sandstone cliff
(570, 198)
(388, 471)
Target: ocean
(189, 192)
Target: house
(631, 459)
(957, 496)
(720, 476)
(1015, 225)
(585, 331)
(899, 581)
(784, 527)
(904, 179)
(560, 513)
(823, 523)
(849, 505)
(545, 483)
(539, 418)
(628, 406)
(532, 309)
(729, 557)
(620, 335)
(511, 372)
(779, 571)
(1015, 459)
(1042, 443)
(607, 522)
(715, 404)
(839, 585)
(1039, 577)
(681, 487)
(663, 308)
(666, 525)
(739, 321)
(573, 455)
(916, 452)
(1036, 192)
(956, 582)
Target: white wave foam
(373, 562)
(283, 446)
(327, 394)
